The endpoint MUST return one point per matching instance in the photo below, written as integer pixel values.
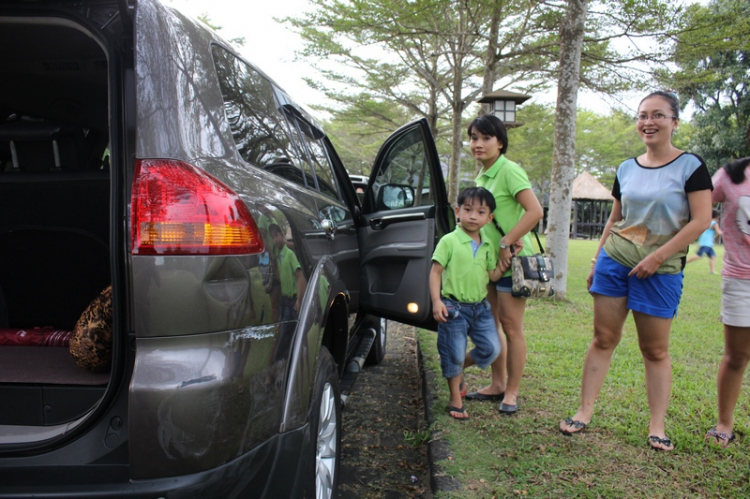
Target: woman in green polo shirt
(518, 211)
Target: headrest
(43, 146)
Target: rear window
(259, 129)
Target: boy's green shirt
(288, 265)
(465, 277)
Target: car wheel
(325, 426)
(377, 352)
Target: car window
(312, 141)
(259, 128)
(405, 181)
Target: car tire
(325, 429)
(377, 351)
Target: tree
(713, 58)
(432, 55)
(602, 142)
(563, 159)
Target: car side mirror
(395, 196)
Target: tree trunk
(457, 105)
(563, 157)
(490, 61)
(456, 151)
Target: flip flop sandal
(653, 439)
(461, 410)
(484, 397)
(723, 439)
(578, 427)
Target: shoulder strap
(502, 233)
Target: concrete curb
(437, 448)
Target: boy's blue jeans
(467, 319)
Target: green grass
(525, 455)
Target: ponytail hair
(736, 170)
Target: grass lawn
(525, 455)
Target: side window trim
(312, 133)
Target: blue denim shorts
(504, 284)
(706, 250)
(473, 320)
(658, 295)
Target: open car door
(404, 212)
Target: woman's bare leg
(653, 339)
(510, 314)
(498, 366)
(609, 317)
(733, 364)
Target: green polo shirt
(465, 276)
(505, 179)
(288, 265)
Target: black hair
(274, 229)
(477, 194)
(670, 97)
(736, 170)
(491, 125)
(714, 213)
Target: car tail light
(178, 209)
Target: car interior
(54, 220)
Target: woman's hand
(505, 256)
(590, 279)
(647, 267)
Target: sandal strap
(720, 435)
(575, 424)
(663, 441)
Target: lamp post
(504, 104)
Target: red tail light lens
(178, 209)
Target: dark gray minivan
(249, 284)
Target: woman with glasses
(662, 204)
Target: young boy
(463, 263)
(706, 242)
(293, 282)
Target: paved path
(384, 453)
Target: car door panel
(402, 218)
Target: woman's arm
(700, 219)
(533, 213)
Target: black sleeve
(616, 190)
(700, 180)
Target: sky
(271, 46)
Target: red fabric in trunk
(38, 336)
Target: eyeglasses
(654, 117)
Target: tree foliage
(428, 57)
(712, 54)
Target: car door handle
(381, 223)
(329, 227)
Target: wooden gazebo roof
(586, 187)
